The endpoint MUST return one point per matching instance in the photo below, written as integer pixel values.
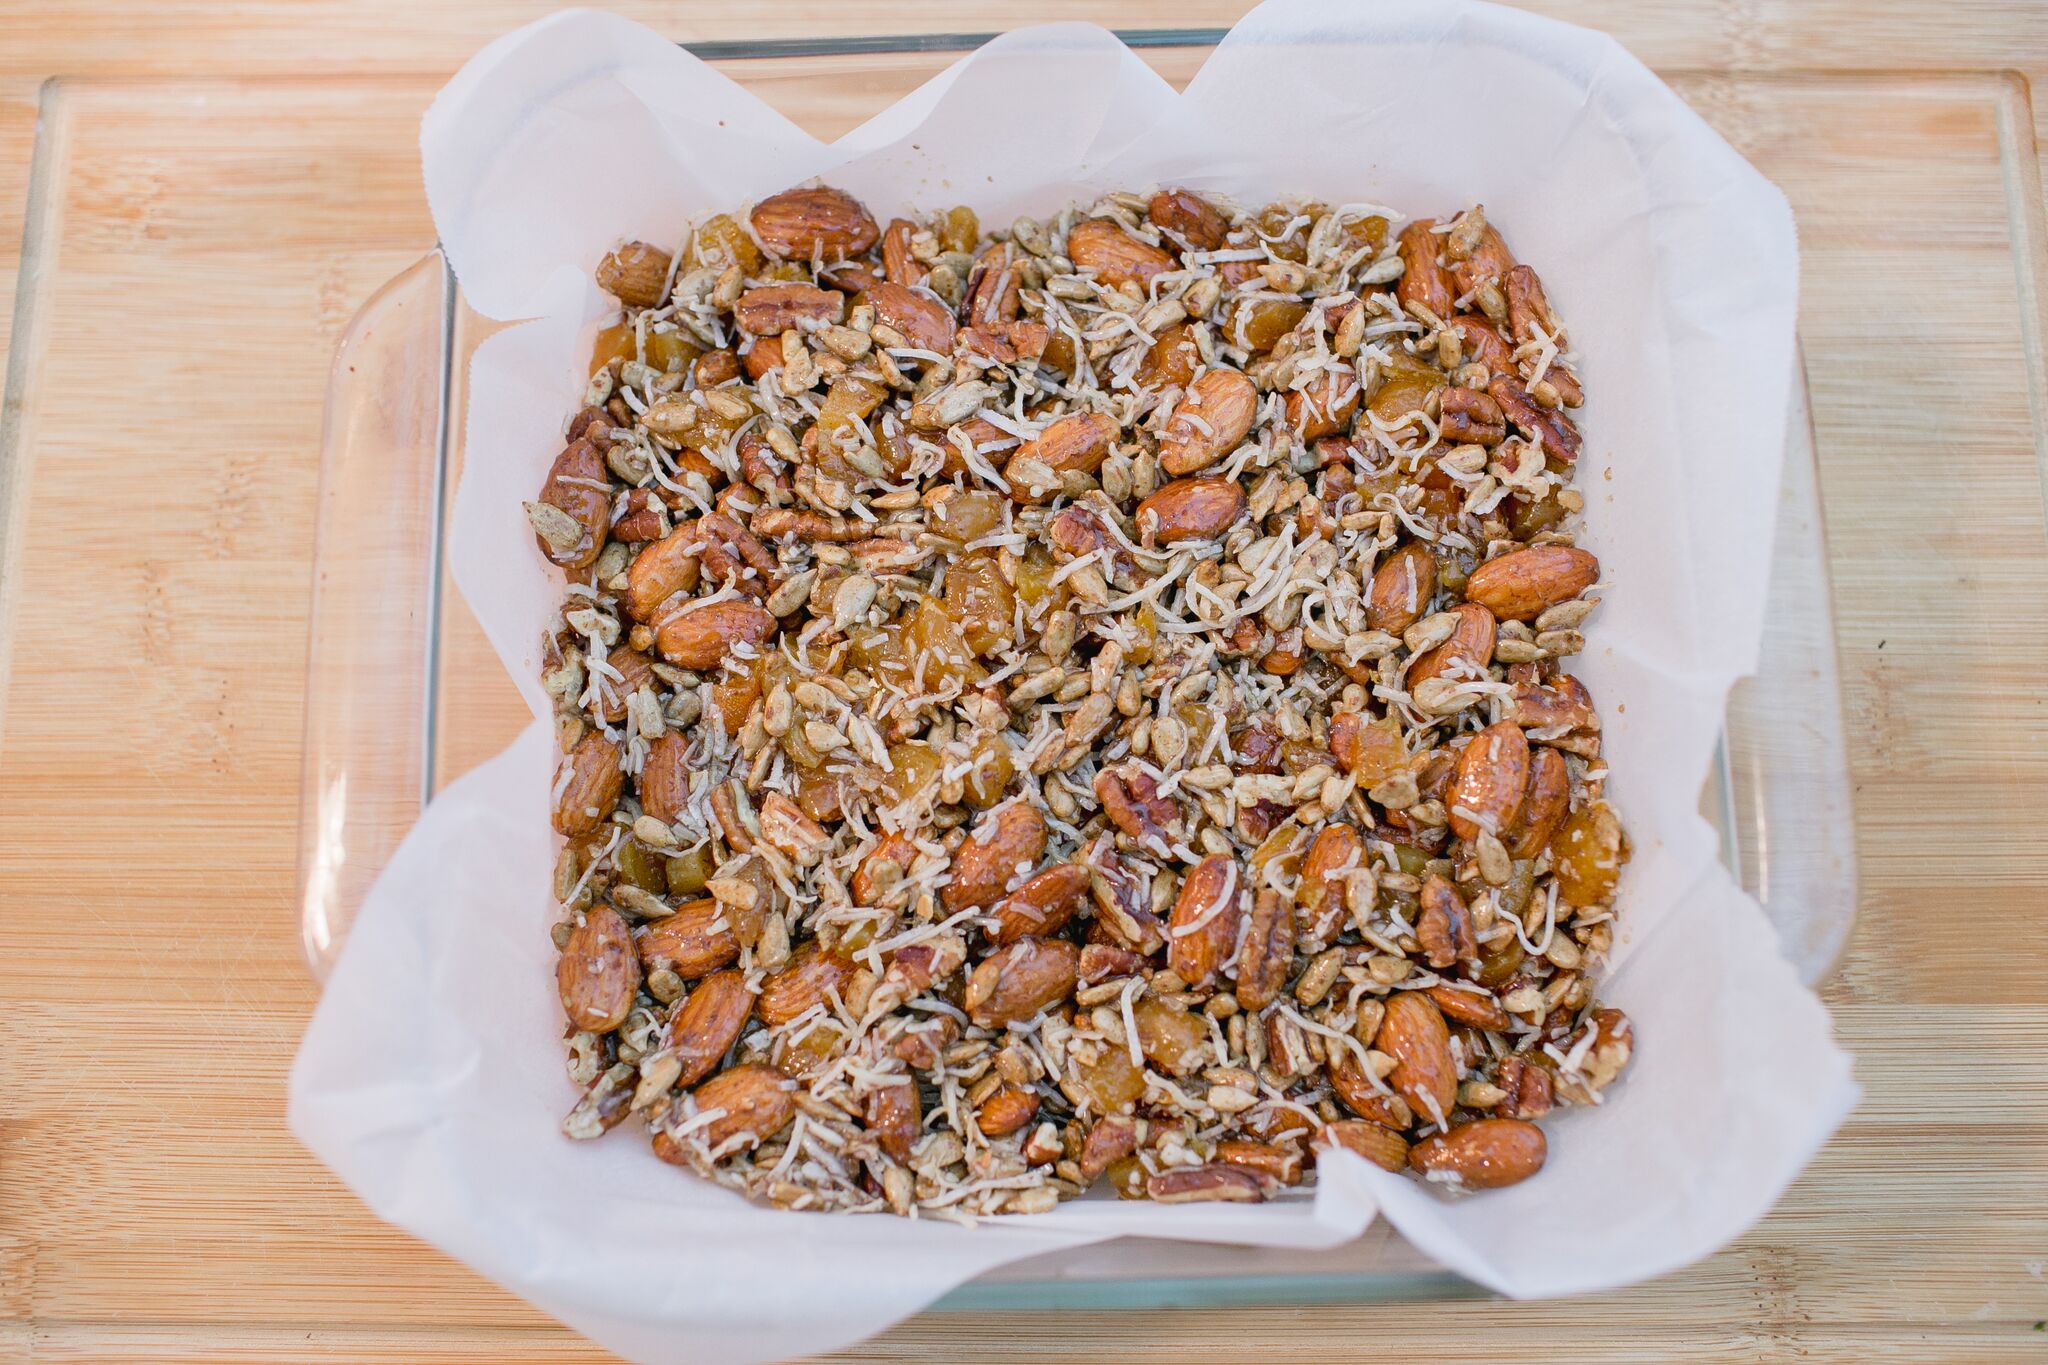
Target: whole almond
(1487, 785)
(897, 263)
(1470, 648)
(1202, 931)
(1016, 981)
(1267, 957)
(758, 1101)
(1009, 1109)
(1401, 588)
(1042, 905)
(1380, 1145)
(1469, 1007)
(1363, 1098)
(707, 1024)
(576, 537)
(1522, 584)
(591, 794)
(703, 637)
(892, 1118)
(924, 321)
(768, 309)
(695, 941)
(659, 571)
(821, 222)
(1079, 442)
(597, 972)
(1544, 802)
(665, 777)
(1423, 282)
(1189, 509)
(1185, 215)
(1002, 848)
(1116, 258)
(1485, 1154)
(809, 979)
(1208, 422)
(1424, 1074)
(636, 274)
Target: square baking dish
(404, 694)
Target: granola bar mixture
(1077, 703)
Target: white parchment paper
(430, 1078)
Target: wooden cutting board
(211, 194)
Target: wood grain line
(2020, 159)
(31, 275)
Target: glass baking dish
(403, 694)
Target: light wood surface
(228, 183)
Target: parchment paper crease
(430, 1078)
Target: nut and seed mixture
(1078, 703)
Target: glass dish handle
(1786, 813)
(374, 628)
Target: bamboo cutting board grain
(217, 190)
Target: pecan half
(1444, 926)
(1560, 436)
(1470, 416)
(1206, 1184)
(1130, 798)
(1267, 957)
